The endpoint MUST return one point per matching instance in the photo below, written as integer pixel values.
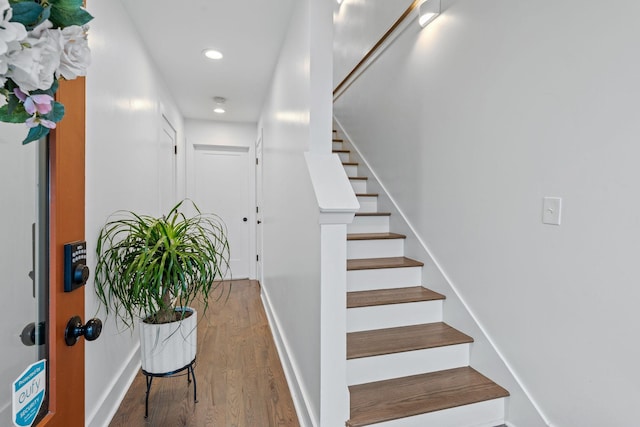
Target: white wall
(125, 103)
(293, 122)
(208, 132)
(358, 27)
(469, 123)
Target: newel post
(337, 204)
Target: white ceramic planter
(168, 347)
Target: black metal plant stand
(150, 376)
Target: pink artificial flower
(41, 103)
(20, 94)
(34, 121)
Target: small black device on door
(76, 272)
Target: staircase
(405, 367)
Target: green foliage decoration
(148, 266)
(42, 41)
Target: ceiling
(249, 33)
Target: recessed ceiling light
(212, 54)
(219, 110)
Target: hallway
(240, 381)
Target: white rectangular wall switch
(551, 210)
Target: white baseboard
(115, 392)
(300, 397)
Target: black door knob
(91, 331)
(244, 219)
(259, 222)
(33, 334)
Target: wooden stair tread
(375, 236)
(361, 178)
(391, 296)
(373, 213)
(337, 140)
(418, 394)
(375, 263)
(341, 151)
(366, 194)
(350, 163)
(403, 338)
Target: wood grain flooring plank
(403, 338)
(400, 397)
(375, 236)
(375, 263)
(238, 371)
(391, 296)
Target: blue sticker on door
(28, 393)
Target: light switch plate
(551, 210)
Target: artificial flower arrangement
(41, 41)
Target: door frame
(259, 207)
(66, 224)
(167, 127)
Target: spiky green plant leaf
(147, 266)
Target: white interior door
(222, 186)
(167, 167)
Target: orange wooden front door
(66, 210)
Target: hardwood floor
(240, 381)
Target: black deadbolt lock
(76, 272)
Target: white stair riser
(344, 156)
(351, 170)
(393, 315)
(359, 185)
(337, 145)
(368, 204)
(380, 248)
(383, 278)
(369, 224)
(396, 365)
(489, 413)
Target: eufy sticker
(28, 394)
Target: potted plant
(150, 270)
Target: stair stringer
(521, 410)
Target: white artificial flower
(10, 32)
(76, 56)
(4, 66)
(34, 66)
